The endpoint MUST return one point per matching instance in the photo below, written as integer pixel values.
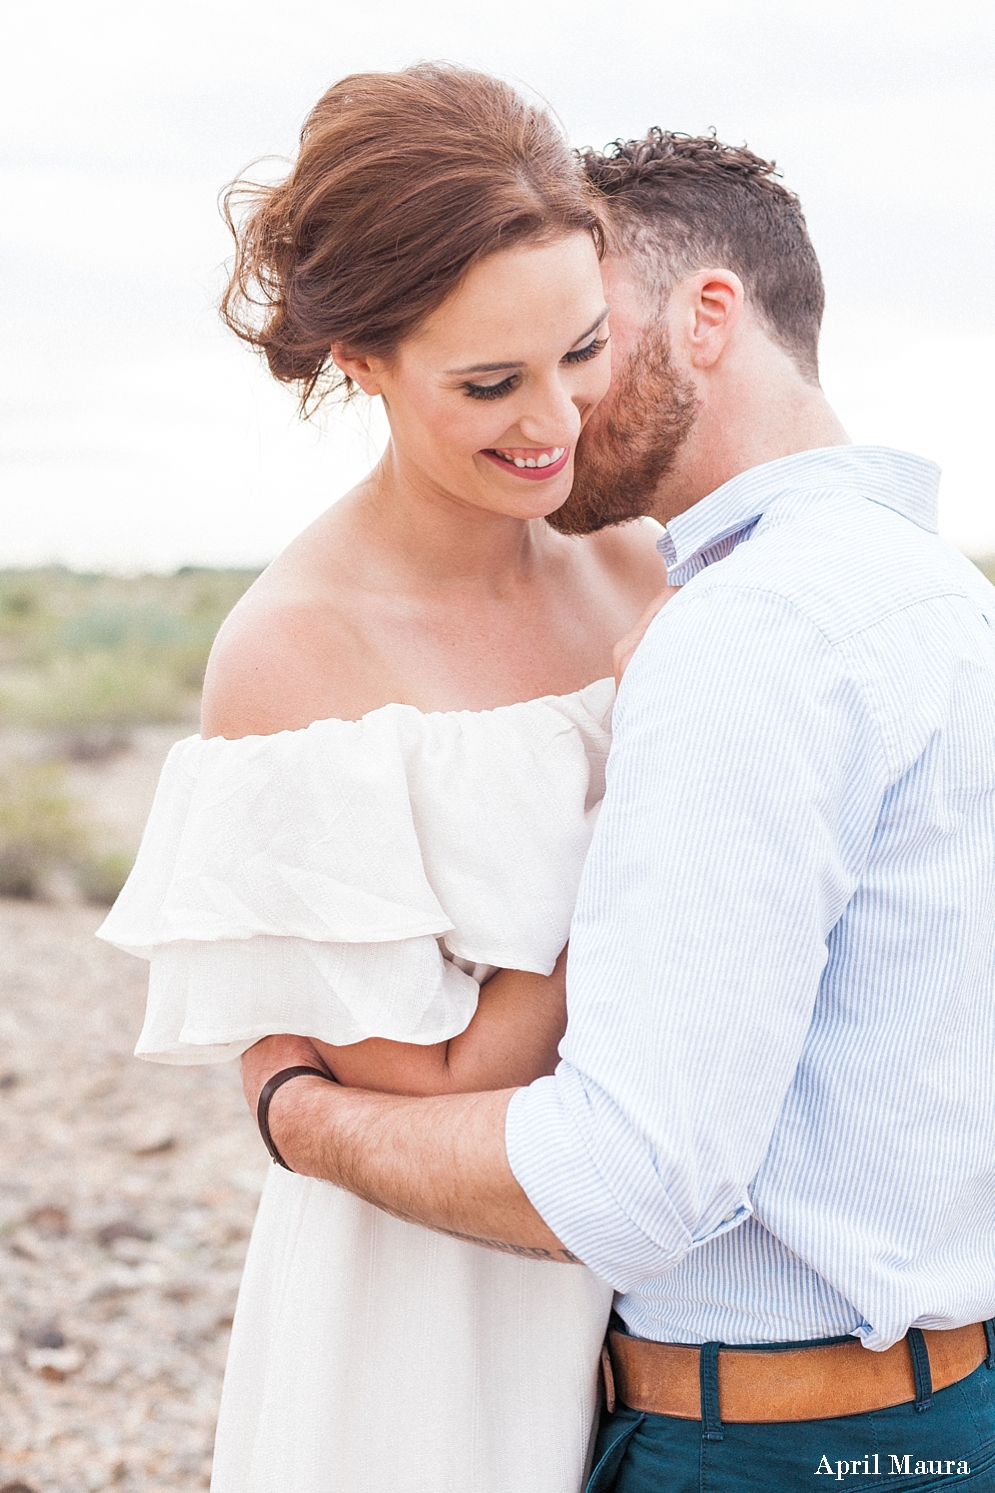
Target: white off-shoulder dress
(352, 880)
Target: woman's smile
(534, 462)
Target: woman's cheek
(453, 432)
(472, 431)
(602, 383)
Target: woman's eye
(584, 354)
(498, 391)
(491, 391)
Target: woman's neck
(435, 541)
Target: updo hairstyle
(403, 181)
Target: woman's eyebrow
(482, 368)
(498, 367)
(593, 327)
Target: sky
(136, 434)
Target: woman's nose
(553, 418)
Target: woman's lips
(531, 474)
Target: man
(773, 1120)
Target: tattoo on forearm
(524, 1251)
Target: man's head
(678, 206)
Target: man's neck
(744, 429)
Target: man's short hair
(683, 202)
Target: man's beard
(630, 443)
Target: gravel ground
(127, 1192)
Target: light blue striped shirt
(774, 1117)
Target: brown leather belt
(816, 1383)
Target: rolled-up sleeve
(744, 783)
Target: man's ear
(712, 305)
(362, 368)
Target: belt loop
(920, 1369)
(990, 1340)
(708, 1376)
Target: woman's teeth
(544, 459)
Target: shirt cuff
(552, 1161)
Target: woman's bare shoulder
(283, 658)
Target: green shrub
(101, 877)
(93, 689)
(98, 650)
(40, 829)
(86, 657)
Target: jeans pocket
(612, 1442)
(980, 1479)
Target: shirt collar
(713, 526)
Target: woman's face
(486, 400)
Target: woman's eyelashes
(491, 391)
(497, 391)
(588, 351)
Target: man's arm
(439, 1162)
(743, 789)
(744, 784)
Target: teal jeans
(948, 1443)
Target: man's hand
(439, 1162)
(626, 647)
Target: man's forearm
(439, 1162)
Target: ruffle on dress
(359, 878)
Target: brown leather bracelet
(269, 1088)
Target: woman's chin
(530, 499)
(541, 505)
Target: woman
(377, 840)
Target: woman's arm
(512, 1039)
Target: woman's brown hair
(403, 181)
